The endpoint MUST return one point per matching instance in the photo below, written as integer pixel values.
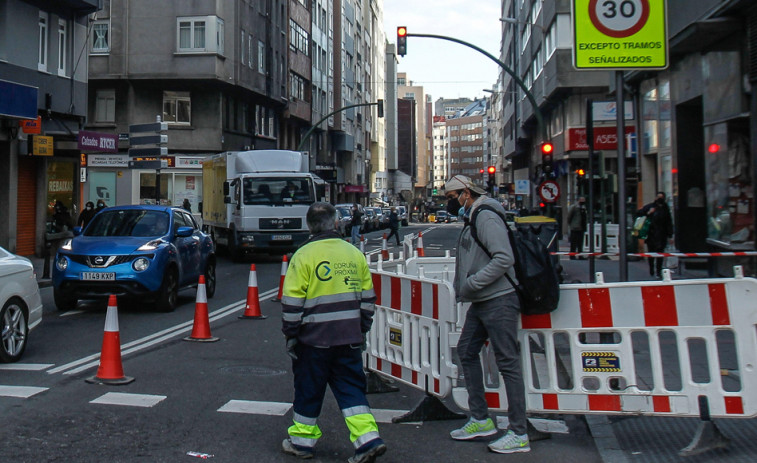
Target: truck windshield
(277, 190)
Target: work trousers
(576, 238)
(395, 234)
(496, 320)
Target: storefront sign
(96, 141)
(82, 174)
(354, 189)
(605, 138)
(33, 126)
(108, 160)
(42, 145)
(188, 162)
(190, 182)
(18, 100)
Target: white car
(20, 304)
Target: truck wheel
(235, 252)
(168, 294)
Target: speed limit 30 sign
(620, 34)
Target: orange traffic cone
(420, 245)
(201, 326)
(362, 244)
(252, 308)
(384, 250)
(284, 266)
(111, 370)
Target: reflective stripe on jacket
(328, 298)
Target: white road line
(256, 408)
(129, 400)
(155, 338)
(71, 312)
(23, 392)
(26, 366)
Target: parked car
(442, 217)
(385, 212)
(344, 217)
(402, 212)
(140, 252)
(371, 219)
(379, 219)
(360, 208)
(20, 305)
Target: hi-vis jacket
(328, 298)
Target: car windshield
(441, 213)
(343, 212)
(128, 222)
(277, 190)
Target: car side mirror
(184, 232)
(77, 231)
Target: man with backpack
(484, 261)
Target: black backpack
(538, 285)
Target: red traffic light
(547, 148)
(401, 31)
(481, 171)
(580, 172)
(491, 169)
(713, 148)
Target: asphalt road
(229, 399)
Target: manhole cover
(252, 370)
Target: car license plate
(97, 276)
(281, 238)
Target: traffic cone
(362, 244)
(384, 250)
(252, 308)
(284, 266)
(420, 245)
(201, 326)
(111, 370)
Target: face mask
(89, 208)
(461, 212)
(453, 205)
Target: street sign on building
(620, 34)
(148, 140)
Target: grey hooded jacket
(478, 277)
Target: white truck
(257, 200)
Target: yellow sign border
(645, 49)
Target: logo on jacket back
(323, 271)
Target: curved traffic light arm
(379, 103)
(529, 95)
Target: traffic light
(434, 192)
(580, 172)
(402, 40)
(491, 170)
(546, 156)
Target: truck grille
(281, 224)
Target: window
(100, 37)
(62, 47)
(105, 106)
(250, 50)
(42, 60)
(195, 34)
(241, 49)
(177, 108)
(261, 57)
(297, 90)
(298, 38)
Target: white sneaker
(474, 428)
(510, 443)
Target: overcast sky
(447, 69)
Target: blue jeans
(356, 234)
(496, 320)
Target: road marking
(181, 329)
(26, 366)
(129, 400)
(71, 312)
(256, 408)
(23, 392)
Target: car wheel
(169, 292)
(210, 278)
(62, 302)
(15, 330)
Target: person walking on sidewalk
(394, 225)
(327, 309)
(577, 226)
(356, 223)
(493, 315)
(660, 230)
(86, 215)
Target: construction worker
(328, 304)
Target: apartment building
(43, 105)
(423, 122)
(465, 135)
(440, 159)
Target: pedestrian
(327, 309)
(493, 315)
(100, 205)
(394, 225)
(61, 217)
(356, 223)
(186, 205)
(577, 225)
(86, 215)
(660, 230)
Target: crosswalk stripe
(23, 392)
(26, 366)
(129, 400)
(255, 408)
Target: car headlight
(140, 264)
(150, 245)
(67, 244)
(61, 263)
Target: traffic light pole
(315, 126)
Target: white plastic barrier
(651, 348)
(612, 237)
(409, 340)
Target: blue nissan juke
(145, 252)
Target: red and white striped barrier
(660, 254)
